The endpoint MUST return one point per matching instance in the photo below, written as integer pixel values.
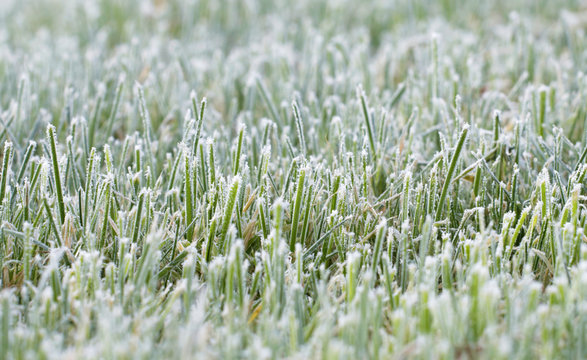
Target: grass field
(293, 179)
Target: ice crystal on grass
(311, 179)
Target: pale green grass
(276, 179)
